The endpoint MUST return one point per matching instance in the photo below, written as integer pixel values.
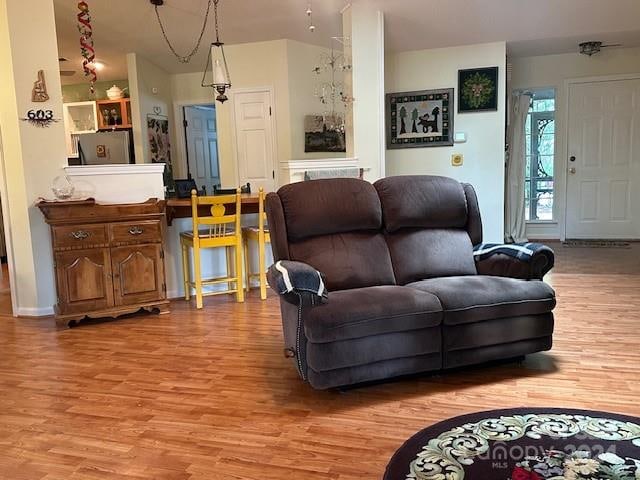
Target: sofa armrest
(527, 261)
(297, 283)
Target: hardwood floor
(208, 394)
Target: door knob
(572, 170)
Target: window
(540, 133)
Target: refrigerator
(108, 147)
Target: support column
(30, 156)
(367, 50)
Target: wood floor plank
(208, 394)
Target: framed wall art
(478, 90)
(321, 134)
(420, 119)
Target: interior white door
(603, 178)
(254, 139)
(202, 146)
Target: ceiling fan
(65, 73)
(591, 48)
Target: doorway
(255, 143)
(201, 144)
(603, 174)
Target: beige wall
(32, 156)
(552, 71)
(301, 60)
(284, 65)
(260, 64)
(145, 78)
(484, 150)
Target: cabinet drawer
(135, 232)
(79, 236)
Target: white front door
(603, 184)
(202, 146)
(254, 133)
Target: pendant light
(221, 80)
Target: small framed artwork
(478, 90)
(420, 119)
(101, 151)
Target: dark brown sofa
(405, 294)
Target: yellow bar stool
(261, 235)
(216, 230)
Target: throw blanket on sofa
(519, 251)
(298, 282)
(519, 260)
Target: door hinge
(161, 253)
(273, 174)
(269, 111)
(185, 123)
(164, 287)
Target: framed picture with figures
(420, 119)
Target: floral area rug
(523, 444)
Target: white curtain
(514, 210)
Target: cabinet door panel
(138, 274)
(84, 280)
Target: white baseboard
(34, 312)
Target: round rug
(523, 444)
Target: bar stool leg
(198, 274)
(185, 271)
(261, 266)
(238, 273)
(247, 263)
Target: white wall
(32, 156)
(484, 150)
(552, 71)
(368, 85)
(149, 89)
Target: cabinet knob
(79, 234)
(136, 230)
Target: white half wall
(484, 149)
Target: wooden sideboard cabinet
(108, 259)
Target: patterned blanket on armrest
(297, 282)
(520, 251)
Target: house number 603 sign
(40, 118)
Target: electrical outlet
(457, 159)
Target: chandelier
(221, 79)
(331, 92)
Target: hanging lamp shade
(221, 81)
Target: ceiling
(530, 27)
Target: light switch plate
(457, 159)
(460, 137)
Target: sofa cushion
(479, 297)
(362, 312)
(428, 253)
(347, 260)
(422, 201)
(328, 206)
(324, 357)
